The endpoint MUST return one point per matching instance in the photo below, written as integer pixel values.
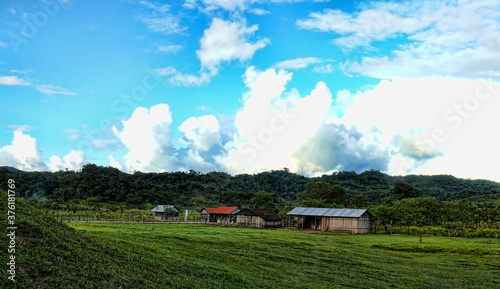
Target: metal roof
(161, 208)
(222, 210)
(327, 212)
(209, 210)
(226, 210)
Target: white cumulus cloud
(73, 161)
(228, 41)
(202, 132)
(430, 125)
(223, 41)
(146, 135)
(23, 153)
(273, 122)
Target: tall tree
(360, 201)
(263, 200)
(237, 199)
(322, 194)
(405, 191)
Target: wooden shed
(354, 221)
(166, 212)
(207, 215)
(219, 215)
(259, 218)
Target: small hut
(259, 218)
(354, 221)
(219, 215)
(166, 212)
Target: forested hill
(110, 185)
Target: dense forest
(193, 189)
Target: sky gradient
(244, 86)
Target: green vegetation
(97, 185)
(50, 254)
(197, 256)
(464, 216)
(322, 194)
(457, 206)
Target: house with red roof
(219, 215)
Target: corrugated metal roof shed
(327, 212)
(162, 208)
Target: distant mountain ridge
(11, 169)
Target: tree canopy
(193, 189)
(322, 194)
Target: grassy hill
(50, 254)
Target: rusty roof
(327, 212)
(226, 210)
(210, 210)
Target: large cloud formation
(273, 122)
(146, 135)
(202, 141)
(275, 127)
(430, 126)
(23, 153)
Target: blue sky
(243, 86)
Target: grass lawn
(207, 256)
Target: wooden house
(166, 212)
(219, 215)
(207, 215)
(259, 218)
(354, 221)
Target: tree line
(275, 189)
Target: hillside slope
(50, 254)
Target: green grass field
(201, 256)
(50, 254)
